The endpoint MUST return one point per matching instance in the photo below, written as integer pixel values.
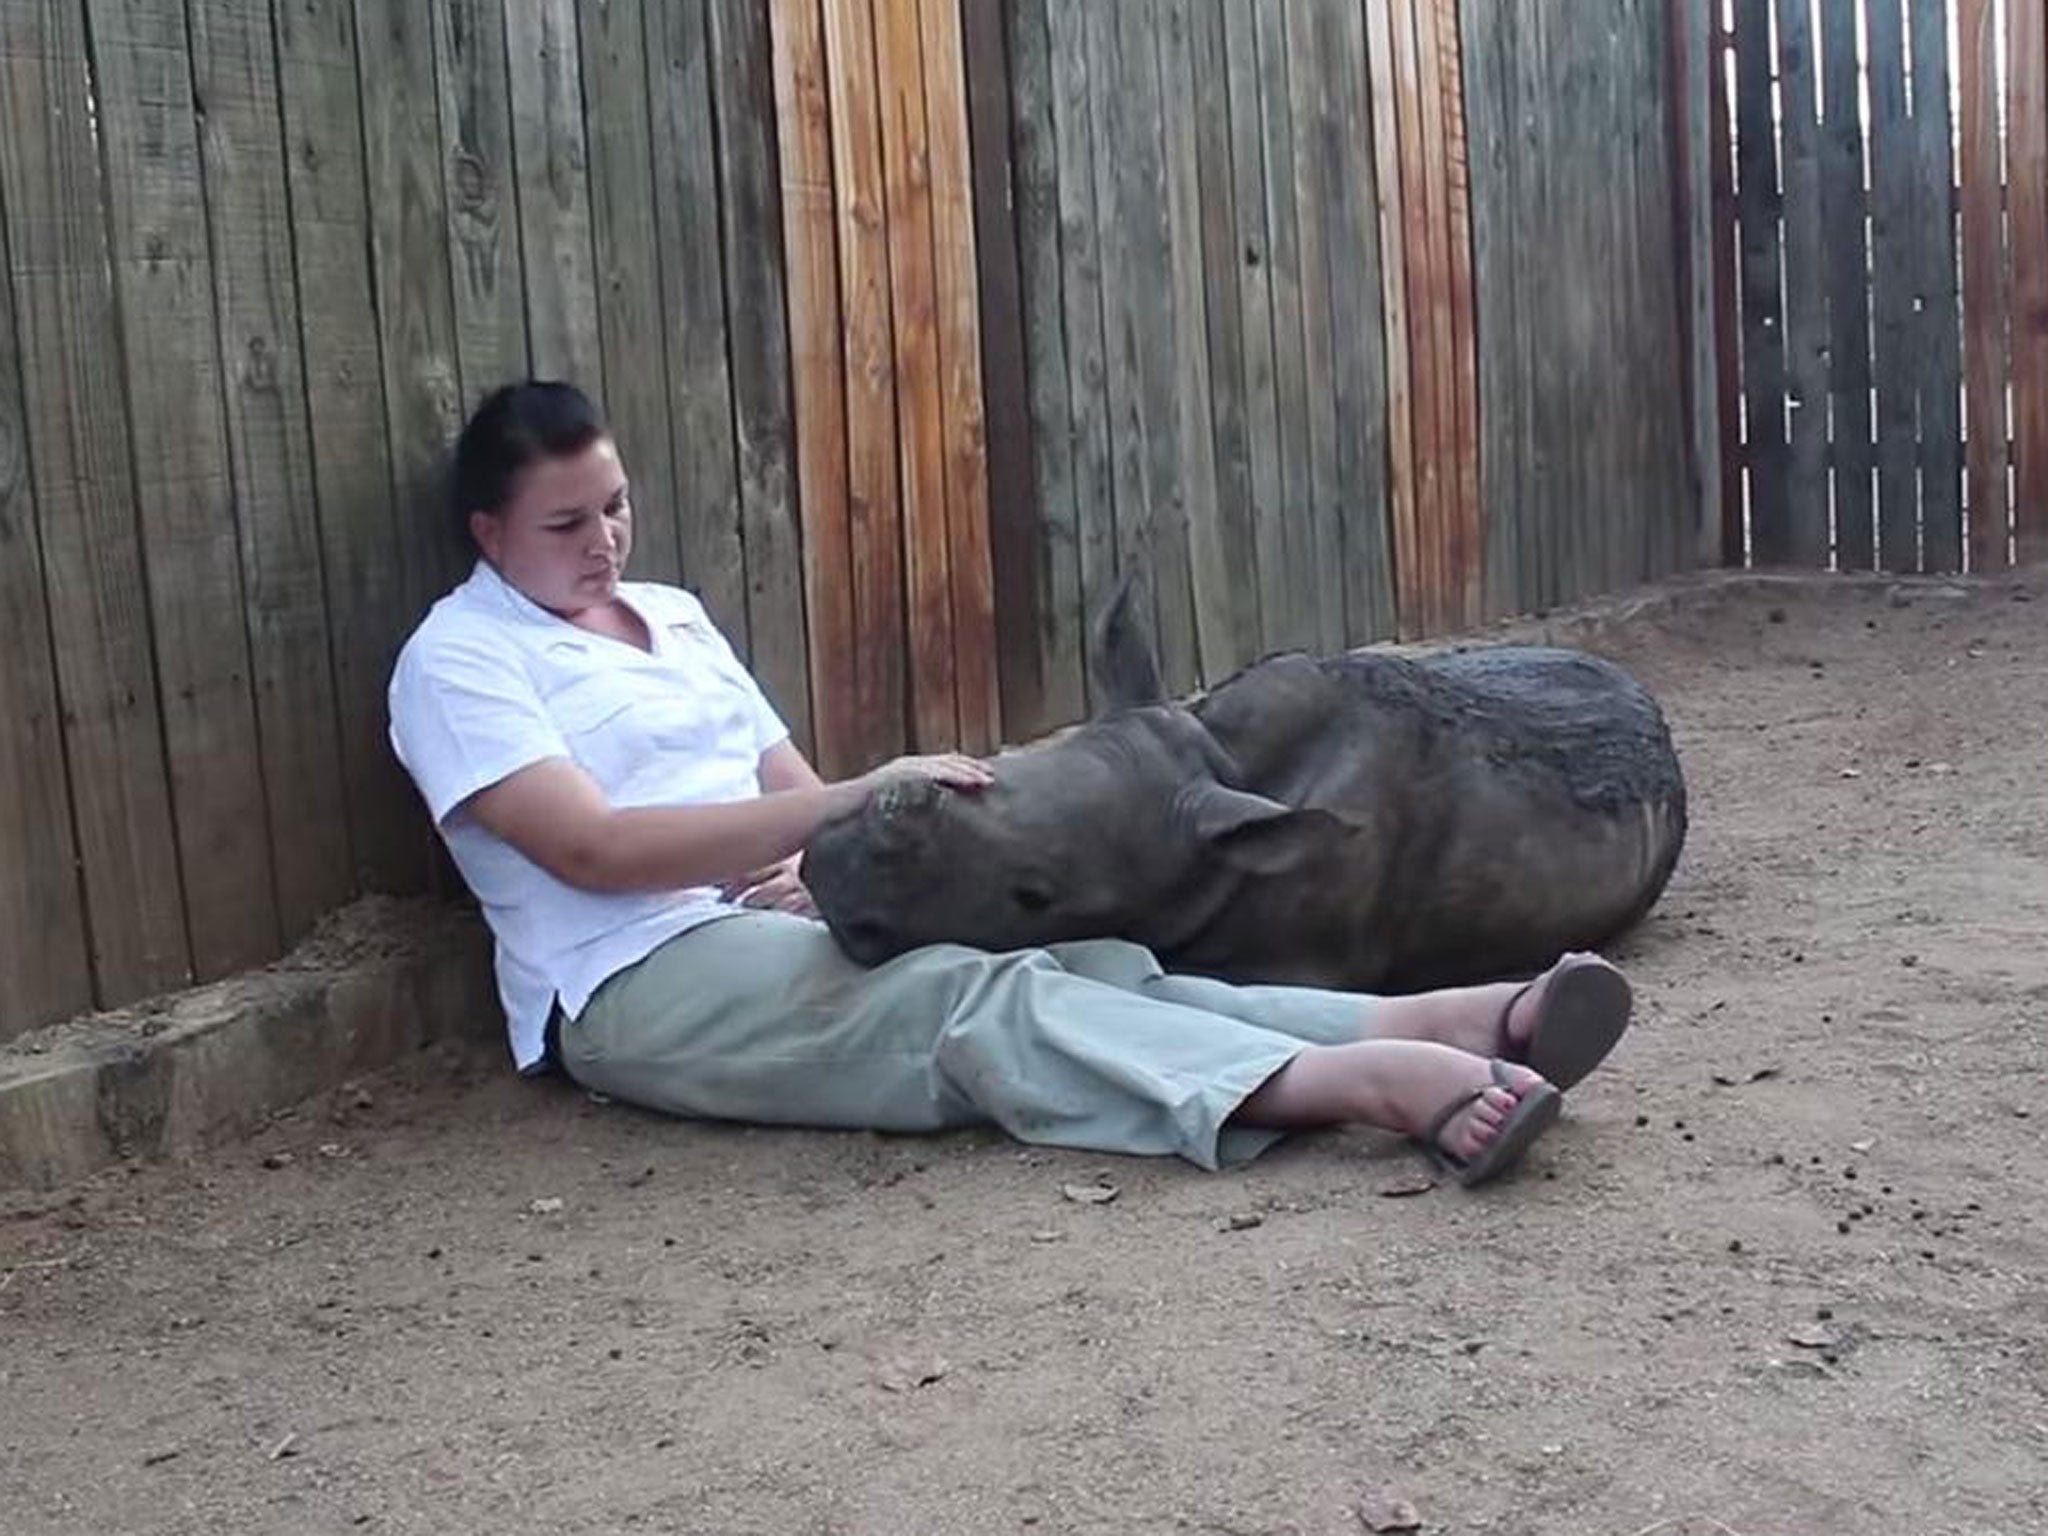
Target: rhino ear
(1125, 670)
(1255, 834)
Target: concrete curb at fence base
(211, 1064)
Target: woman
(629, 810)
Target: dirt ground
(1780, 1272)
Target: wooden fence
(1884, 242)
(919, 321)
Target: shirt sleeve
(465, 715)
(769, 728)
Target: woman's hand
(778, 888)
(952, 769)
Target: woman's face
(563, 535)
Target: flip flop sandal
(1584, 1013)
(1530, 1118)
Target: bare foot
(1418, 1079)
(1469, 1018)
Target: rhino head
(1126, 825)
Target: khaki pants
(760, 1017)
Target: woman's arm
(555, 814)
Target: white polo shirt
(491, 682)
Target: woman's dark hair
(516, 425)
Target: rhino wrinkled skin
(1367, 820)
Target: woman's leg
(759, 1018)
(1469, 1018)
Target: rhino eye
(1030, 898)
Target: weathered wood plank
(1802, 537)
(1196, 95)
(1471, 553)
(1287, 569)
(1438, 270)
(410, 266)
(1418, 261)
(483, 214)
(1893, 274)
(1763, 315)
(628, 258)
(1090, 404)
(873, 497)
(83, 478)
(689, 295)
(2027, 214)
(234, 74)
(1937, 339)
(1984, 301)
(369, 606)
(1140, 318)
(1844, 220)
(1727, 340)
(552, 164)
(818, 380)
(1016, 220)
(1359, 347)
(42, 907)
(185, 498)
(1309, 89)
(761, 323)
(962, 387)
(1491, 44)
(1250, 256)
(1695, 58)
(920, 415)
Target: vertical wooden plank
(1763, 317)
(1231, 274)
(1471, 556)
(1802, 537)
(1227, 615)
(761, 323)
(628, 256)
(818, 384)
(1089, 403)
(1491, 44)
(552, 177)
(1309, 89)
(1984, 305)
(1417, 259)
(42, 908)
(185, 499)
(1139, 318)
(1030, 473)
(1252, 257)
(1287, 604)
(688, 297)
(1893, 275)
(961, 383)
(1847, 256)
(2026, 63)
(368, 604)
(1212, 621)
(483, 216)
(1358, 349)
(401, 136)
(83, 477)
(875, 507)
(1937, 343)
(1695, 63)
(1727, 302)
(234, 74)
(920, 416)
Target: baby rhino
(1366, 821)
